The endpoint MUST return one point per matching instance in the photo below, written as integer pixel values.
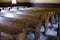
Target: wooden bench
(5, 36)
(31, 19)
(43, 14)
(10, 25)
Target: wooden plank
(22, 36)
(13, 25)
(5, 36)
(31, 18)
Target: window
(13, 1)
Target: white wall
(45, 1)
(40, 1)
(33, 1)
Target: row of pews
(16, 22)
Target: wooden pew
(31, 20)
(50, 13)
(5, 36)
(11, 25)
(43, 18)
(43, 15)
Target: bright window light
(13, 1)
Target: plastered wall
(45, 1)
(23, 0)
(33, 1)
(40, 1)
(5, 1)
